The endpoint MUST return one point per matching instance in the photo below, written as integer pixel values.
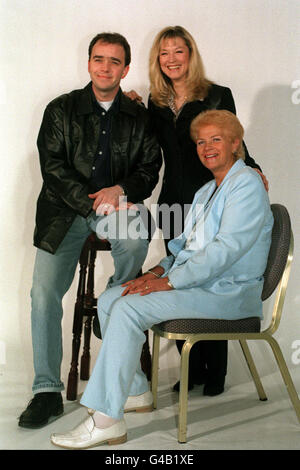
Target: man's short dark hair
(112, 38)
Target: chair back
(279, 263)
(279, 250)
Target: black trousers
(208, 361)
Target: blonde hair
(161, 87)
(226, 121)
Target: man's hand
(107, 200)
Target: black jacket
(184, 173)
(67, 143)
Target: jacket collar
(127, 105)
(212, 186)
(237, 166)
(85, 102)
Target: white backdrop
(252, 46)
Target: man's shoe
(88, 435)
(177, 386)
(140, 403)
(40, 409)
(195, 381)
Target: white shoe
(87, 435)
(140, 403)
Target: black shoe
(96, 327)
(40, 409)
(177, 386)
(213, 389)
(192, 382)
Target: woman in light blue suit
(215, 271)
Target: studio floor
(235, 420)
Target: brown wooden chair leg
(77, 327)
(88, 305)
(86, 356)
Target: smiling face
(216, 150)
(107, 68)
(174, 58)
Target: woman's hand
(264, 179)
(147, 283)
(154, 285)
(133, 95)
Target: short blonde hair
(223, 119)
(160, 85)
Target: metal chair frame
(266, 335)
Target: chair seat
(203, 325)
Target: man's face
(107, 68)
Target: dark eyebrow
(112, 58)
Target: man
(96, 147)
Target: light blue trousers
(53, 275)
(123, 320)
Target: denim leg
(128, 237)
(52, 277)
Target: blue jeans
(53, 275)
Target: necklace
(173, 107)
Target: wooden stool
(86, 306)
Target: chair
(193, 330)
(84, 312)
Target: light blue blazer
(222, 254)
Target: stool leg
(88, 304)
(86, 357)
(77, 327)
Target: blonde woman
(179, 91)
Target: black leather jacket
(67, 143)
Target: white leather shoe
(86, 435)
(140, 403)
